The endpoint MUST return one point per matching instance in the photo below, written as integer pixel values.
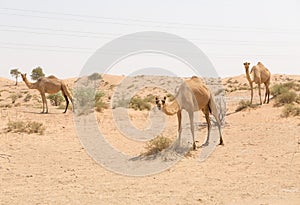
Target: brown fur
(258, 74)
(192, 96)
(49, 85)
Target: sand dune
(259, 163)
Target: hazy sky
(60, 36)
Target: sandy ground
(259, 163)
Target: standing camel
(49, 85)
(192, 96)
(258, 74)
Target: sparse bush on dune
(138, 103)
(25, 127)
(87, 98)
(156, 145)
(278, 89)
(243, 104)
(290, 110)
(99, 103)
(285, 98)
(284, 94)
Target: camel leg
(206, 113)
(67, 103)
(43, 101)
(191, 115)
(259, 93)
(219, 127)
(267, 87)
(266, 93)
(251, 88)
(179, 126)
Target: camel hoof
(194, 146)
(204, 145)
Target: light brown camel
(258, 74)
(50, 85)
(192, 96)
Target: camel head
(23, 76)
(246, 64)
(160, 103)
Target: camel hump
(52, 76)
(194, 77)
(259, 63)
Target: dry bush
(156, 145)
(285, 98)
(27, 97)
(99, 103)
(55, 99)
(284, 94)
(243, 104)
(26, 127)
(138, 103)
(290, 110)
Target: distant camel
(192, 96)
(258, 74)
(49, 85)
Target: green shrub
(99, 103)
(278, 89)
(156, 145)
(56, 99)
(138, 103)
(285, 98)
(94, 76)
(88, 98)
(290, 110)
(26, 127)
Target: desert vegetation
(28, 127)
(285, 94)
(156, 145)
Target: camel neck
(29, 84)
(248, 75)
(171, 108)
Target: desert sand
(259, 163)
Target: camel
(258, 74)
(50, 85)
(192, 96)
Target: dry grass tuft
(156, 145)
(290, 110)
(25, 127)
